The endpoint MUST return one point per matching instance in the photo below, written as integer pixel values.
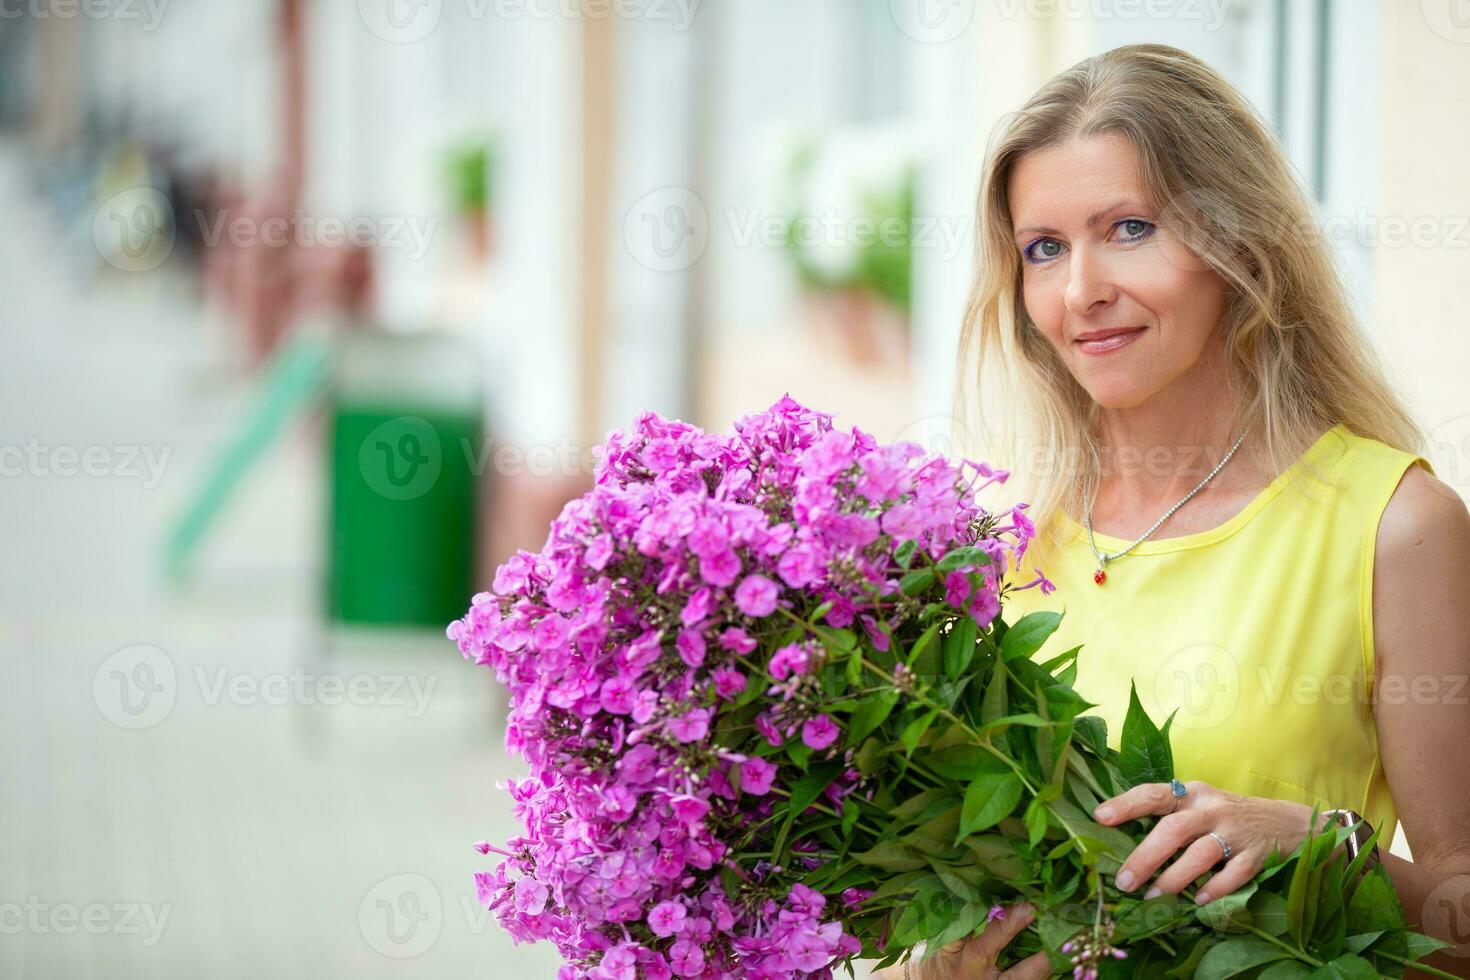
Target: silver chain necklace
(1103, 557)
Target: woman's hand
(974, 959)
(1251, 825)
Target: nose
(1089, 288)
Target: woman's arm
(1421, 631)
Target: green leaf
(1028, 719)
(1092, 732)
(969, 915)
(1081, 791)
(1420, 946)
(1026, 637)
(995, 703)
(803, 794)
(838, 639)
(1349, 967)
(965, 881)
(1163, 913)
(1145, 756)
(963, 762)
(1356, 866)
(997, 854)
(1051, 665)
(1229, 913)
(899, 884)
(1185, 970)
(1286, 970)
(892, 856)
(1062, 885)
(1064, 704)
(873, 711)
(909, 924)
(1055, 927)
(960, 646)
(850, 814)
(1268, 912)
(1235, 956)
(1108, 840)
(1296, 891)
(920, 659)
(989, 798)
(963, 558)
(870, 756)
(1375, 904)
(953, 734)
(915, 807)
(909, 739)
(1035, 820)
(935, 838)
(853, 670)
(904, 553)
(917, 582)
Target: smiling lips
(1106, 341)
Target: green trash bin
(404, 432)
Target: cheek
(1194, 304)
(1177, 296)
(1044, 304)
(1177, 253)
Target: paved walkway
(162, 812)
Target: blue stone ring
(1179, 792)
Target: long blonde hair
(1299, 362)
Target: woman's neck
(1152, 455)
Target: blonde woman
(1226, 491)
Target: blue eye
(1143, 233)
(1042, 242)
(1143, 230)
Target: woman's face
(1095, 259)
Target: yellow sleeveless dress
(1259, 631)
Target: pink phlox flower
(819, 732)
(756, 776)
(667, 918)
(690, 726)
(720, 569)
(756, 596)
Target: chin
(1119, 394)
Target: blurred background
(311, 309)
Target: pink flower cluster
(652, 615)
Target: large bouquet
(775, 723)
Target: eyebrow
(1092, 219)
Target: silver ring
(1223, 846)
(1179, 790)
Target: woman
(1225, 491)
